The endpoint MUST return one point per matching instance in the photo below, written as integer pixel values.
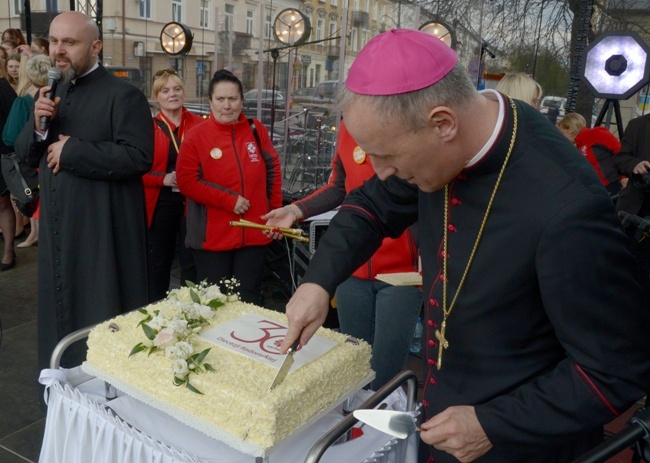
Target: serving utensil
(398, 424)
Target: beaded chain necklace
(440, 334)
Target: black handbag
(22, 183)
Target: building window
(205, 13)
(332, 28)
(355, 39)
(177, 10)
(367, 6)
(267, 27)
(18, 7)
(229, 22)
(375, 10)
(145, 9)
(250, 21)
(320, 28)
(334, 2)
(356, 5)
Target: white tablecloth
(82, 427)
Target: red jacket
(218, 163)
(350, 168)
(588, 138)
(153, 180)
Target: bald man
(92, 252)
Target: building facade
(230, 34)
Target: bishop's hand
(306, 311)
(458, 432)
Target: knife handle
(294, 346)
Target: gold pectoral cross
(443, 343)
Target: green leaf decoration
(153, 349)
(178, 381)
(193, 389)
(139, 347)
(148, 332)
(202, 355)
(143, 311)
(208, 367)
(215, 304)
(190, 284)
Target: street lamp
(176, 39)
(291, 27)
(441, 30)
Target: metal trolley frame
(322, 444)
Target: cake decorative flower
(170, 327)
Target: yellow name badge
(216, 153)
(359, 155)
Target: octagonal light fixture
(616, 65)
(291, 27)
(176, 39)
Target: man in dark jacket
(92, 250)
(633, 161)
(535, 329)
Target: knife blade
(398, 424)
(286, 365)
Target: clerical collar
(494, 96)
(95, 66)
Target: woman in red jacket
(165, 203)
(598, 145)
(382, 314)
(229, 170)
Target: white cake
(236, 405)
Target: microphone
(631, 219)
(53, 78)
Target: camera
(641, 182)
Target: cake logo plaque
(259, 338)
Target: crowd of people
(532, 295)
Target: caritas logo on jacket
(253, 155)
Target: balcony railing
(360, 18)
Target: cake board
(210, 429)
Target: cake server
(398, 424)
(286, 365)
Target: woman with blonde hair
(12, 67)
(33, 76)
(165, 204)
(7, 214)
(521, 86)
(598, 145)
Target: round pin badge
(216, 153)
(359, 155)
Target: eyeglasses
(169, 72)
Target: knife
(286, 365)
(398, 424)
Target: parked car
(326, 91)
(200, 109)
(303, 96)
(556, 102)
(266, 96)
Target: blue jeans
(384, 316)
